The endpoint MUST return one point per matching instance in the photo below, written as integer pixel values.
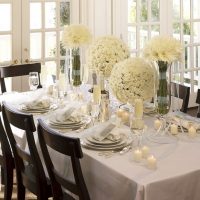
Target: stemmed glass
(33, 80)
(94, 112)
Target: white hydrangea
(76, 35)
(131, 79)
(105, 52)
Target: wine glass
(33, 80)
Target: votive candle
(137, 155)
(157, 124)
(145, 151)
(192, 132)
(151, 162)
(174, 129)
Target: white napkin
(69, 114)
(107, 132)
(41, 103)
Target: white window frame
(120, 28)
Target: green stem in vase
(162, 92)
(76, 67)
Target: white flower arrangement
(75, 36)
(131, 79)
(163, 48)
(105, 52)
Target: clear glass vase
(163, 99)
(73, 67)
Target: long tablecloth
(177, 176)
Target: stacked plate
(69, 124)
(90, 142)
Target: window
(32, 31)
(180, 18)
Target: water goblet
(33, 80)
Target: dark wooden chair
(181, 92)
(198, 102)
(29, 168)
(18, 70)
(7, 164)
(70, 147)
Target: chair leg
(20, 192)
(2, 176)
(8, 181)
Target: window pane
(132, 11)
(187, 57)
(196, 80)
(155, 30)
(64, 13)
(35, 16)
(144, 11)
(187, 78)
(62, 47)
(196, 6)
(5, 48)
(50, 44)
(196, 27)
(187, 32)
(132, 37)
(177, 31)
(47, 71)
(35, 45)
(5, 17)
(186, 9)
(176, 9)
(50, 15)
(196, 56)
(143, 36)
(155, 10)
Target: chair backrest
(18, 70)
(181, 92)
(30, 172)
(70, 147)
(198, 102)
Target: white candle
(125, 116)
(137, 155)
(145, 151)
(174, 129)
(157, 124)
(151, 162)
(96, 93)
(119, 112)
(192, 132)
(138, 108)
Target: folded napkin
(107, 132)
(69, 114)
(40, 103)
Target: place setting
(68, 118)
(107, 139)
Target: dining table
(118, 176)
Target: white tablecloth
(177, 176)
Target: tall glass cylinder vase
(73, 67)
(163, 89)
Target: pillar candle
(119, 112)
(138, 108)
(96, 93)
